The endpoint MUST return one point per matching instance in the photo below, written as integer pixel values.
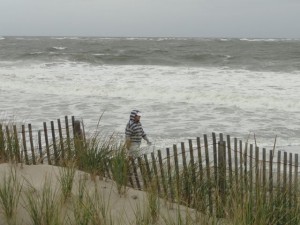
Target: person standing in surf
(134, 134)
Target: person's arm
(146, 139)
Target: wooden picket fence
(46, 145)
(211, 168)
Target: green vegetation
(184, 195)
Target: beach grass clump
(10, 191)
(119, 164)
(66, 179)
(44, 207)
(91, 208)
(93, 155)
(256, 209)
(153, 201)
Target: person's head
(135, 115)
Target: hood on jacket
(134, 113)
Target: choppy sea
(185, 87)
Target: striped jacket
(134, 130)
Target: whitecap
(60, 48)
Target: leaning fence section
(206, 174)
(203, 173)
(52, 144)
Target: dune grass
(10, 191)
(187, 198)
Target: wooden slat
(186, 176)
(279, 170)
(215, 157)
(162, 173)
(47, 144)
(183, 156)
(200, 158)
(135, 174)
(176, 169)
(68, 137)
(236, 167)
(257, 167)
(210, 205)
(241, 166)
(170, 180)
(229, 160)
(271, 176)
(9, 144)
(31, 144)
(264, 175)
(25, 145)
(296, 178)
(222, 178)
(290, 179)
(148, 170)
(2, 145)
(251, 169)
(246, 164)
(61, 140)
(40, 147)
(56, 159)
(16, 143)
(143, 172)
(155, 171)
(192, 180)
(284, 181)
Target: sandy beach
(126, 209)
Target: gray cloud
(214, 18)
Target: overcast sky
(144, 18)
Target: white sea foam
(60, 48)
(177, 102)
(267, 39)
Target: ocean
(185, 87)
